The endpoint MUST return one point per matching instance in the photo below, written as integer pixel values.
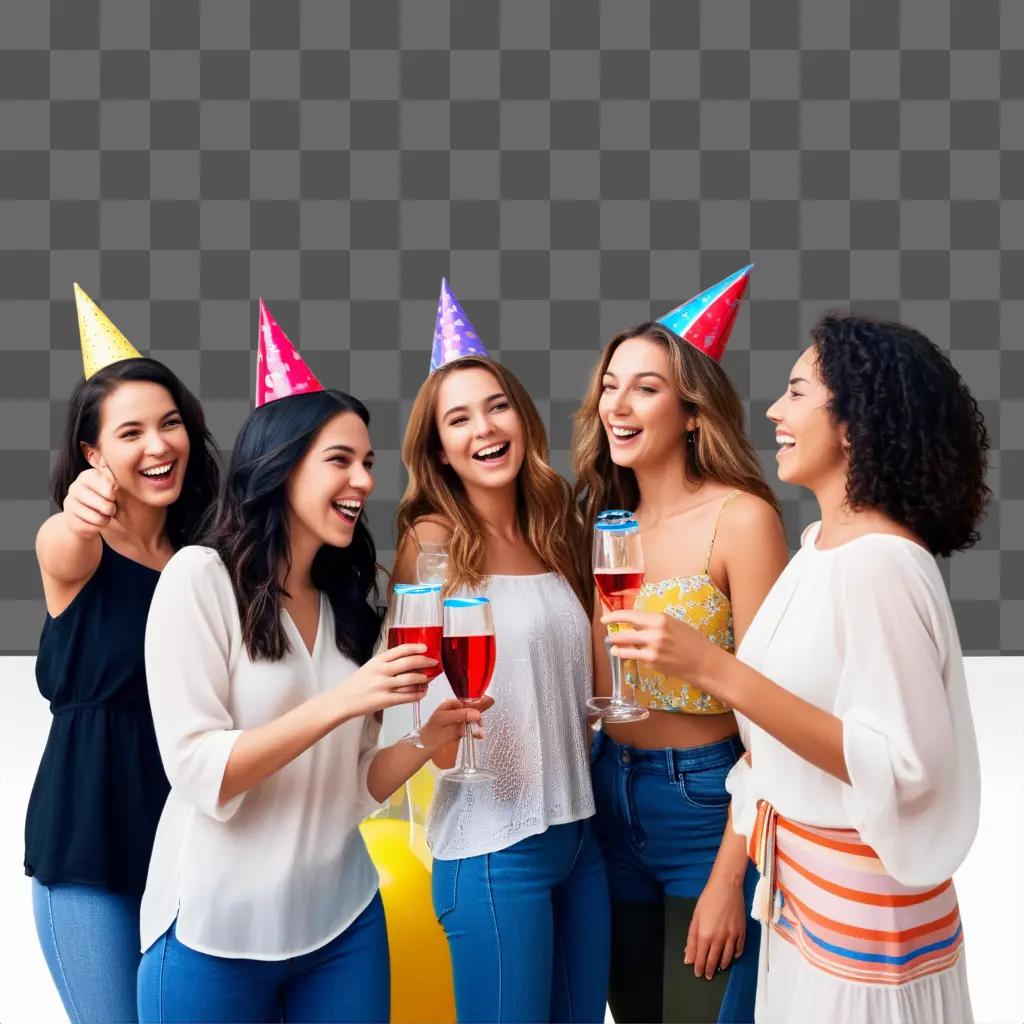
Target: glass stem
(417, 722)
(616, 665)
(468, 750)
(620, 695)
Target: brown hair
(721, 449)
(545, 511)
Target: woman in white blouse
(519, 879)
(860, 789)
(261, 902)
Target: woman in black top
(137, 469)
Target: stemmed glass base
(467, 770)
(612, 710)
(414, 738)
(617, 708)
(468, 775)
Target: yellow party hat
(102, 342)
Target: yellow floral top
(697, 601)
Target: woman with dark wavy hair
(860, 791)
(135, 473)
(262, 903)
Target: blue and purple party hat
(454, 334)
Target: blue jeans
(349, 979)
(660, 817)
(90, 938)
(528, 928)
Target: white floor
(990, 884)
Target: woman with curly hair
(860, 791)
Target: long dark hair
(202, 474)
(918, 442)
(250, 530)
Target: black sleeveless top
(101, 786)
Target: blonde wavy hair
(720, 448)
(547, 516)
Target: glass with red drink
(467, 653)
(618, 560)
(415, 618)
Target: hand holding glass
(416, 619)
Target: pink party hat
(280, 370)
(454, 335)
(706, 320)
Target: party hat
(102, 343)
(454, 335)
(706, 320)
(280, 370)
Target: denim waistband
(670, 760)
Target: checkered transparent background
(571, 167)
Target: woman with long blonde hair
(519, 881)
(661, 433)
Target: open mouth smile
(624, 435)
(162, 475)
(493, 453)
(348, 509)
(786, 443)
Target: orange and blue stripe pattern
(828, 894)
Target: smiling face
(143, 442)
(812, 450)
(327, 489)
(481, 434)
(643, 418)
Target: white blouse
(281, 869)
(536, 736)
(866, 631)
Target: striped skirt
(827, 893)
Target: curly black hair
(917, 438)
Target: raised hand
(391, 678)
(448, 722)
(91, 502)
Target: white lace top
(536, 733)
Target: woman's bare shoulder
(432, 529)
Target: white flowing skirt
(792, 991)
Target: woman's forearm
(392, 767)
(265, 749)
(816, 735)
(730, 864)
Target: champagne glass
(618, 561)
(416, 619)
(467, 653)
(432, 564)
